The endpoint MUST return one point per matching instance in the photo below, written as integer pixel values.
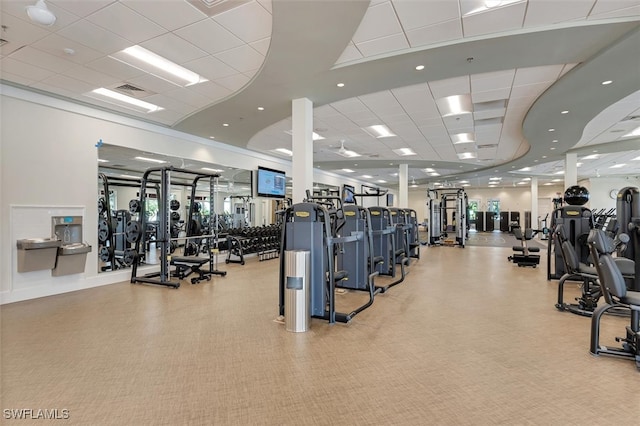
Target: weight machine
(441, 202)
(315, 225)
(185, 265)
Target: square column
(302, 147)
(570, 169)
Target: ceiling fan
(346, 152)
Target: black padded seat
(518, 248)
(188, 261)
(626, 266)
(586, 269)
(340, 275)
(378, 259)
(186, 266)
(534, 249)
(400, 252)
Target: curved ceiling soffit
(581, 92)
(299, 50)
(300, 63)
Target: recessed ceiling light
(366, 176)
(347, 170)
(225, 124)
(150, 160)
(340, 84)
(559, 172)
(525, 169)
(394, 174)
(123, 100)
(434, 174)
(617, 166)
(100, 160)
(495, 178)
(260, 108)
(403, 152)
(544, 156)
(591, 157)
(552, 148)
(526, 179)
(428, 170)
(285, 151)
(379, 131)
(547, 184)
(212, 170)
(381, 181)
(414, 186)
(211, 137)
(467, 155)
(420, 67)
(552, 130)
(556, 180)
(555, 140)
(463, 138)
(535, 161)
(522, 183)
(566, 111)
(606, 82)
(464, 181)
(145, 60)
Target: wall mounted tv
(389, 200)
(271, 183)
(348, 192)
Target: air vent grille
(488, 145)
(129, 88)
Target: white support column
(403, 186)
(534, 203)
(570, 169)
(302, 147)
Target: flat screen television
(271, 183)
(347, 194)
(389, 200)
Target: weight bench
(186, 266)
(523, 256)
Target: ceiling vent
(487, 146)
(489, 121)
(131, 90)
(490, 105)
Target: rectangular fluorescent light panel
(556, 180)
(122, 100)
(434, 174)
(635, 159)
(495, 178)
(403, 152)
(591, 157)
(366, 176)
(617, 166)
(285, 151)
(467, 155)
(145, 60)
(348, 153)
(560, 172)
(347, 170)
(379, 131)
(428, 170)
(463, 138)
(455, 105)
(212, 170)
(525, 169)
(100, 160)
(150, 160)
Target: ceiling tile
(26, 71)
(56, 90)
(492, 80)
(152, 83)
(605, 6)
(67, 83)
(38, 58)
(532, 75)
(262, 46)
(619, 13)
(383, 45)
(127, 23)
(211, 90)
(16, 78)
(450, 87)
(379, 21)
(234, 82)
(19, 33)
(543, 12)
(249, 22)
(494, 21)
(266, 4)
(168, 14)
(81, 8)
(209, 36)
(170, 103)
(54, 44)
(414, 14)
(483, 115)
(243, 58)
(189, 97)
(174, 48)
(349, 105)
(91, 35)
(437, 33)
(210, 68)
(114, 68)
(351, 53)
(91, 76)
(491, 95)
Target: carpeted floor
(467, 339)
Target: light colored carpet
(468, 339)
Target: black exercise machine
(523, 253)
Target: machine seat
(340, 275)
(534, 249)
(626, 266)
(518, 248)
(632, 298)
(188, 261)
(586, 269)
(378, 259)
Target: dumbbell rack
(263, 240)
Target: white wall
(600, 188)
(49, 159)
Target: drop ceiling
(518, 65)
